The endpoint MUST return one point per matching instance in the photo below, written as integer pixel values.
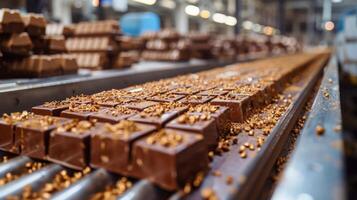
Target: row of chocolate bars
(29, 47)
(153, 131)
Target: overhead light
(248, 25)
(231, 21)
(147, 2)
(337, 1)
(268, 30)
(95, 3)
(205, 14)
(257, 28)
(329, 26)
(192, 10)
(219, 17)
(168, 4)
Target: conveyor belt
(248, 176)
(316, 169)
(22, 94)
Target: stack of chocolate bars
(224, 48)
(130, 49)
(93, 44)
(166, 45)
(201, 47)
(28, 51)
(153, 131)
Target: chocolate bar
(49, 44)
(93, 61)
(109, 141)
(7, 128)
(98, 28)
(220, 113)
(31, 136)
(140, 105)
(53, 108)
(213, 92)
(35, 25)
(67, 63)
(166, 97)
(159, 114)
(10, 21)
(199, 123)
(80, 111)
(91, 44)
(59, 29)
(168, 35)
(113, 115)
(33, 66)
(69, 144)
(239, 105)
(196, 99)
(165, 158)
(16, 44)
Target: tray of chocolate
(200, 45)
(210, 135)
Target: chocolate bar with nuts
(159, 114)
(80, 111)
(8, 124)
(111, 145)
(198, 123)
(113, 115)
(53, 108)
(239, 105)
(31, 136)
(165, 158)
(69, 144)
(220, 113)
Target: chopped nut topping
(120, 110)
(55, 104)
(165, 139)
(208, 194)
(122, 128)
(16, 117)
(76, 127)
(229, 180)
(41, 122)
(320, 130)
(204, 108)
(192, 119)
(74, 107)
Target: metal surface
(87, 186)
(36, 180)
(261, 166)
(251, 172)
(316, 169)
(13, 165)
(20, 95)
(144, 190)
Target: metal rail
(316, 169)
